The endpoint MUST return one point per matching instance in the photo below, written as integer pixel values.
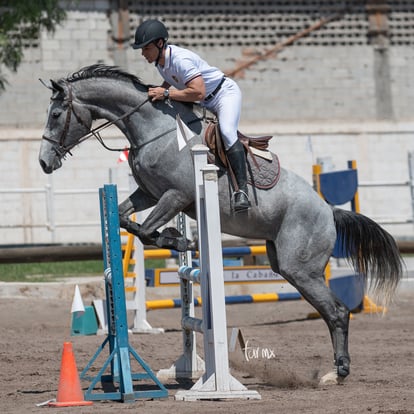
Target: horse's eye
(55, 114)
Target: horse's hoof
(171, 238)
(331, 378)
(343, 371)
(179, 244)
(192, 245)
(343, 366)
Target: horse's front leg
(137, 201)
(167, 207)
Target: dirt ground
(33, 331)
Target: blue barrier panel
(349, 289)
(339, 187)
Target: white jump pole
(189, 365)
(216, 382)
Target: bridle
(62, 149)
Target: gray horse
(300, 228)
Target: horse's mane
(100, 70)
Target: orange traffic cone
(69, 392)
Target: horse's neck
(111, 100)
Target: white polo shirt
(183, 65)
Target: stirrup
(241, 201)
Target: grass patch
(53, 271)
(48, 272)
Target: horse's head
(67, 122)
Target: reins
(62, 150)
(96, 131)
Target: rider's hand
(156, 94)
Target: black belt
(215, 92)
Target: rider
(193, 80)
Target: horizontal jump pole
(50, 253)
(68, 253)
(229, 300)
(71, 252)
(227, 251)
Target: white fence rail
(396, 184)
(50, 196)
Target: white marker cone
(77, 303)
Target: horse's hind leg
(308, 278)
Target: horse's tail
(372, 252)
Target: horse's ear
(56, 87)
(46, 84)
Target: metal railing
(395, 184)
(50, 194)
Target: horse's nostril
(47, 169)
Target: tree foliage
(20, 22)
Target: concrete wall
(313, 80)
(352, 102)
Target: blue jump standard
(120, 351)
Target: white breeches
(226, 105)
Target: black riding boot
(237, 159)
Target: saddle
(263, 168)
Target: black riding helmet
(149, 31)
